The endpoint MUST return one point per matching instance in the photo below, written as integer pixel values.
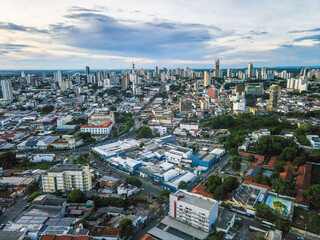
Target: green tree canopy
(76, 196)
(8, 160)
(213, 182)
(182, 185)
(313, 195)
(134, 181)
(125, 228)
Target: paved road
(11, 213)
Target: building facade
(193, 209)
(67, 177)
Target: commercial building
(314, 141)
(250, 70)
(185, 106)
(213, 93)
(97, 130)
(66, 177)
(193, 209)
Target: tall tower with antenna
(133, 67)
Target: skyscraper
(250, 70)
(6, 88)
(87, 70)
(157, 70)
(274, 96)
(57, 76)
(229, 73)
(205, 79)
(216, 68)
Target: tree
(125, 228)
(236, 166)
(134, 181)
(213, 181)
(76, 196)
(219, 193)
(288, 154)
(251, 158)
(141, 145)
(144, 132)
(283, 225)
(8, 160)
(165, 193)
(50, 147)
(281, 186)
(279, 167)
(313, 195)
(230, 183)
(33, 186)
(182, 185)
(32, 196)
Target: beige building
(66, 177)
(274, 96)
(205, 79)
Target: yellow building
(274, 96)
(66, 177)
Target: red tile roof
(304, 177)
(244, 154)
(106, 125)
(288, 171)
(147, 237)
(257, 184)
(271, 163)
(200, 189)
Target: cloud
(160, 38)
(303, 31)
(15, 27)
(313, 37)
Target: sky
(110, 34)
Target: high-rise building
(157, 70)
(125, 82)
(216, 68)
(67, 177)
(250, 70)
(23, 75)
(206, 79)
(204, 104)
(57, 76)
(274, 96)
(7, 90)
(318, 74)
(230, 73)
(87, 70)
(43, 74)
(193, 209)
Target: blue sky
(59, 34)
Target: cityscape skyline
(173, 34)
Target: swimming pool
(267, 173)
(271, 202)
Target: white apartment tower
(6, 88)
(193, 209)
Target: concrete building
(66, 177)
(274, 96)
(206, 79)
(6, 88)
(216, 68)
(97, 130)
(185, 106)
(193, 209)
(250, 70)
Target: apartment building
(97, 130)
(193, 209)
(66, 177)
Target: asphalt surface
(14, 211)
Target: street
(14, 211)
